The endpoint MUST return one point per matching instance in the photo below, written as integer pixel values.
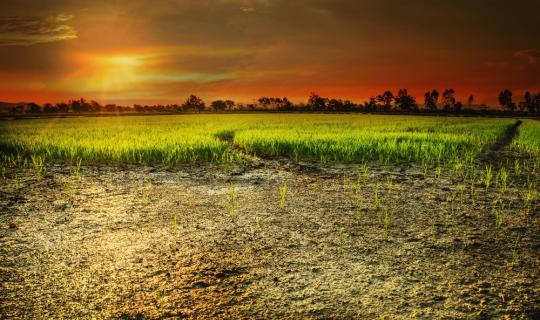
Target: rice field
(528, 138)
(173, 140)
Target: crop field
(270, 216)
(193, 139)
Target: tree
(505, 100)
(335, 105)
(219, 105)
(529, 102)
(431, 99)
(404, 101)
(229, 104)
(370, 105)
(386, 99)
(33, 108)
(49, 108)
(470, 101)
(316, 102)
(449, 100)
(62, 107)
(194, 103)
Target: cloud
(25, 31)
(532, 55)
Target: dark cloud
(28, 30)
(354, 48)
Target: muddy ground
(148, 243)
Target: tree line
(402, 101)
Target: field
(270, 216)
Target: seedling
(78, 169)
(376, 196)
(517, 167)
(258, 222)
(433, 228)
(174, 223)
(233, 202)
(387, 219)
(341, 240)
(503, 175)
(16, 183)
(498, 209)
(488, 176)
(282, 194)
(38, 164)
(365, 173)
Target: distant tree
(430, 100)
(449, 100)
(371, 104)
(386, 100)
(111, 108)
(62, 107)
(33, 108)
(229, 104)
(470, 101)
(219, 105)
(458, 106)
(317, 103)
(75, 106)
(404, 101)
(528, 102)
(505, 100)
(49, 108)
(194, 103)
(17, 109)
(348, 106)
(95, 106)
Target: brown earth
(148, 243)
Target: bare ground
(148, 243)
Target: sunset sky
(161, 51)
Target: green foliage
(173, 140)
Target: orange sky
(159, 52)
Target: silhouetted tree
(229, 104)
(275, 103)
(219, 105)
(316, 102)
(370, 105)
(505, 100)
(404, 101)
(49, 108)
(62, 107)
(536, 103)
(529, 102)
(431, 99)
(449, 101)
(386, 100)
(33, 108)
(194, 103)
(470, 101)
(458, 106)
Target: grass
(174, 140)
(528, 138)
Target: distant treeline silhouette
(434, 102)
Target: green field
(184, 139)
(528, 138)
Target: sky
(150, 52)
